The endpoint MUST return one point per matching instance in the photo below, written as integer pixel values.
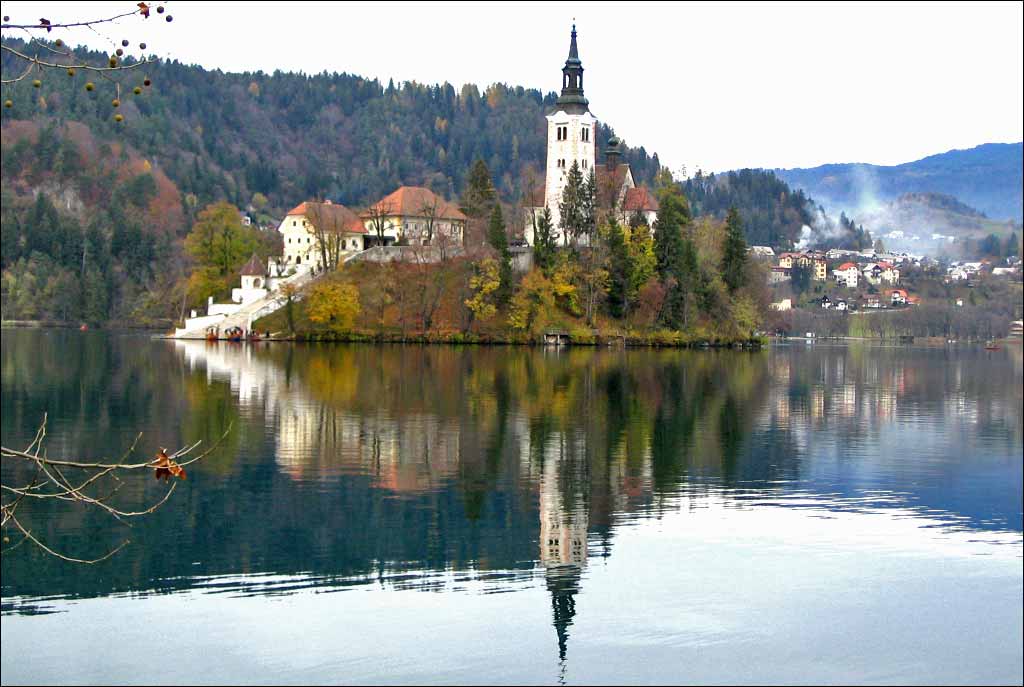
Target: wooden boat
(992, 346)
(211, 334)
(234, 334)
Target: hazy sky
(710, 85)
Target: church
(572, 137)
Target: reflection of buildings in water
(817, 403)
(962, 409)
(563, 531)
(781, 370)
(316, 441)
(845, 400)
(252, 379)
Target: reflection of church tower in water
(563, 531)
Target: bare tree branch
(50, 482)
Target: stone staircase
(250, 312)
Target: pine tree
(673, 217)
(734, 252)
(676, 256)
(545, 240)
(479, 195)
(588, 208)
(498, 239)
(620, 270)
(572, 220)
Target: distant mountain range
(988, 177)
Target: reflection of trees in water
(374, 460)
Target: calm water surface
(381, 514)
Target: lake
(808, 513)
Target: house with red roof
(416, 216)
(307, 221)
(898, 296)
(847, 275)
(881, 273)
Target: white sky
(711, 85)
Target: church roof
(639, 199)
(254, 268)
(410, 201)
(334, 214)
(610, 182)
(572, 99)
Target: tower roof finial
(572, 79)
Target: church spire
(572, 99)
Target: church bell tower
(572, 132)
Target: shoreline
(595, 341)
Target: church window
(584, 164)
(585, 134)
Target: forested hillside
(773, 214)
(95, 210)
(289, 137)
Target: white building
(298, 233)
(847, 275)
(255, 287)
(416, 216)
(572, 130)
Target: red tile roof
(610, 182)
(639, 199)
(847, 266)
(410, 201)
(334, 214)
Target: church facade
(572, 138)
